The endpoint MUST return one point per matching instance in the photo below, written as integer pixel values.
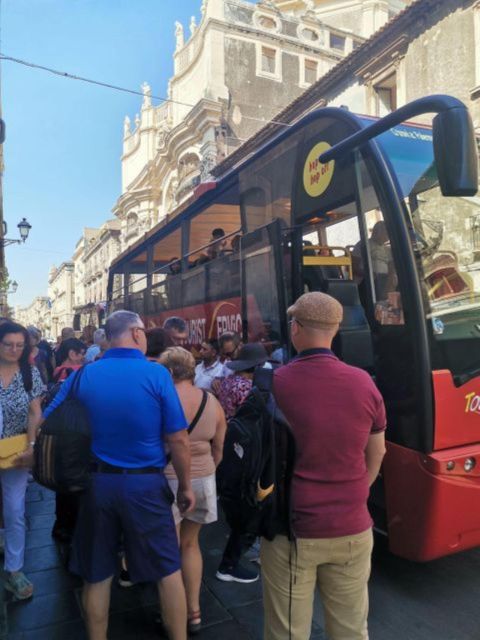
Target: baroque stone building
(234, 71)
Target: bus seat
(353, 342)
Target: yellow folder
(10, 448)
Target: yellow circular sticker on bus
(317, 176)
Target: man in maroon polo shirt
(338, 419)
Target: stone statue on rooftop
(147, 95)
(179, 35)
(126, 127)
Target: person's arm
(61, 395)
(215, 387)
(179, 445)
(34, 420)
(219, 437)
(374, 454)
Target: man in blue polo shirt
(133, 409)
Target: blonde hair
(180, 362)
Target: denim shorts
(132, 509)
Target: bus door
(376, 335)
(263, 296)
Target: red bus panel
(431, 510)
(457, 411)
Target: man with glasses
(338, 420)
(133, 408)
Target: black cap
(251, 355)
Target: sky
(64, 137)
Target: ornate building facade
(233, 72)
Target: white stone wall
(61, 294)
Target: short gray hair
(99, 336)
(176, 323)
(119, 322)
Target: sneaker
(253, 554)
(124, 579)
(237, 574)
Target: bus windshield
(445, 236)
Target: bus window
(263, 323)
(208, 227)
(266, 186)
(387, 303)
(445, 245)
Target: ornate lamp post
(24, 229)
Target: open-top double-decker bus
(380, 214)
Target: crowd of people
(157, 440)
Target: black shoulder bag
(62, 452)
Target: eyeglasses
(140, 329)
(13, 346)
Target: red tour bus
(379, 214)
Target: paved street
(438, 601)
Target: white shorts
(205, 490)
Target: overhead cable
(107, 85)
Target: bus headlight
(450, 465)
(469, 464)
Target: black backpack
(255, 474)
(62, 455)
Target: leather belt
(104, 467)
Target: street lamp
(6, 291)
(24, 229)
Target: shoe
(124, 579)
(19, 585)
(194, 623)
(237, 574)
(253, 554)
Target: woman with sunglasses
(21, 388)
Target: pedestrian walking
(133, 409)
(177, 330)
(66, 334)
(338, 420)
(210, 366)
(70, 357)
(21, 388)
(38, 356)
(207, 432)
(229, 344)
(232, 393)
(99, 346)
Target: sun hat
(250, 355)
(317, 310)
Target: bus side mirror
(455, 151)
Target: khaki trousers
(339, 567)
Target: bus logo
(317, 176)
(472, 403)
